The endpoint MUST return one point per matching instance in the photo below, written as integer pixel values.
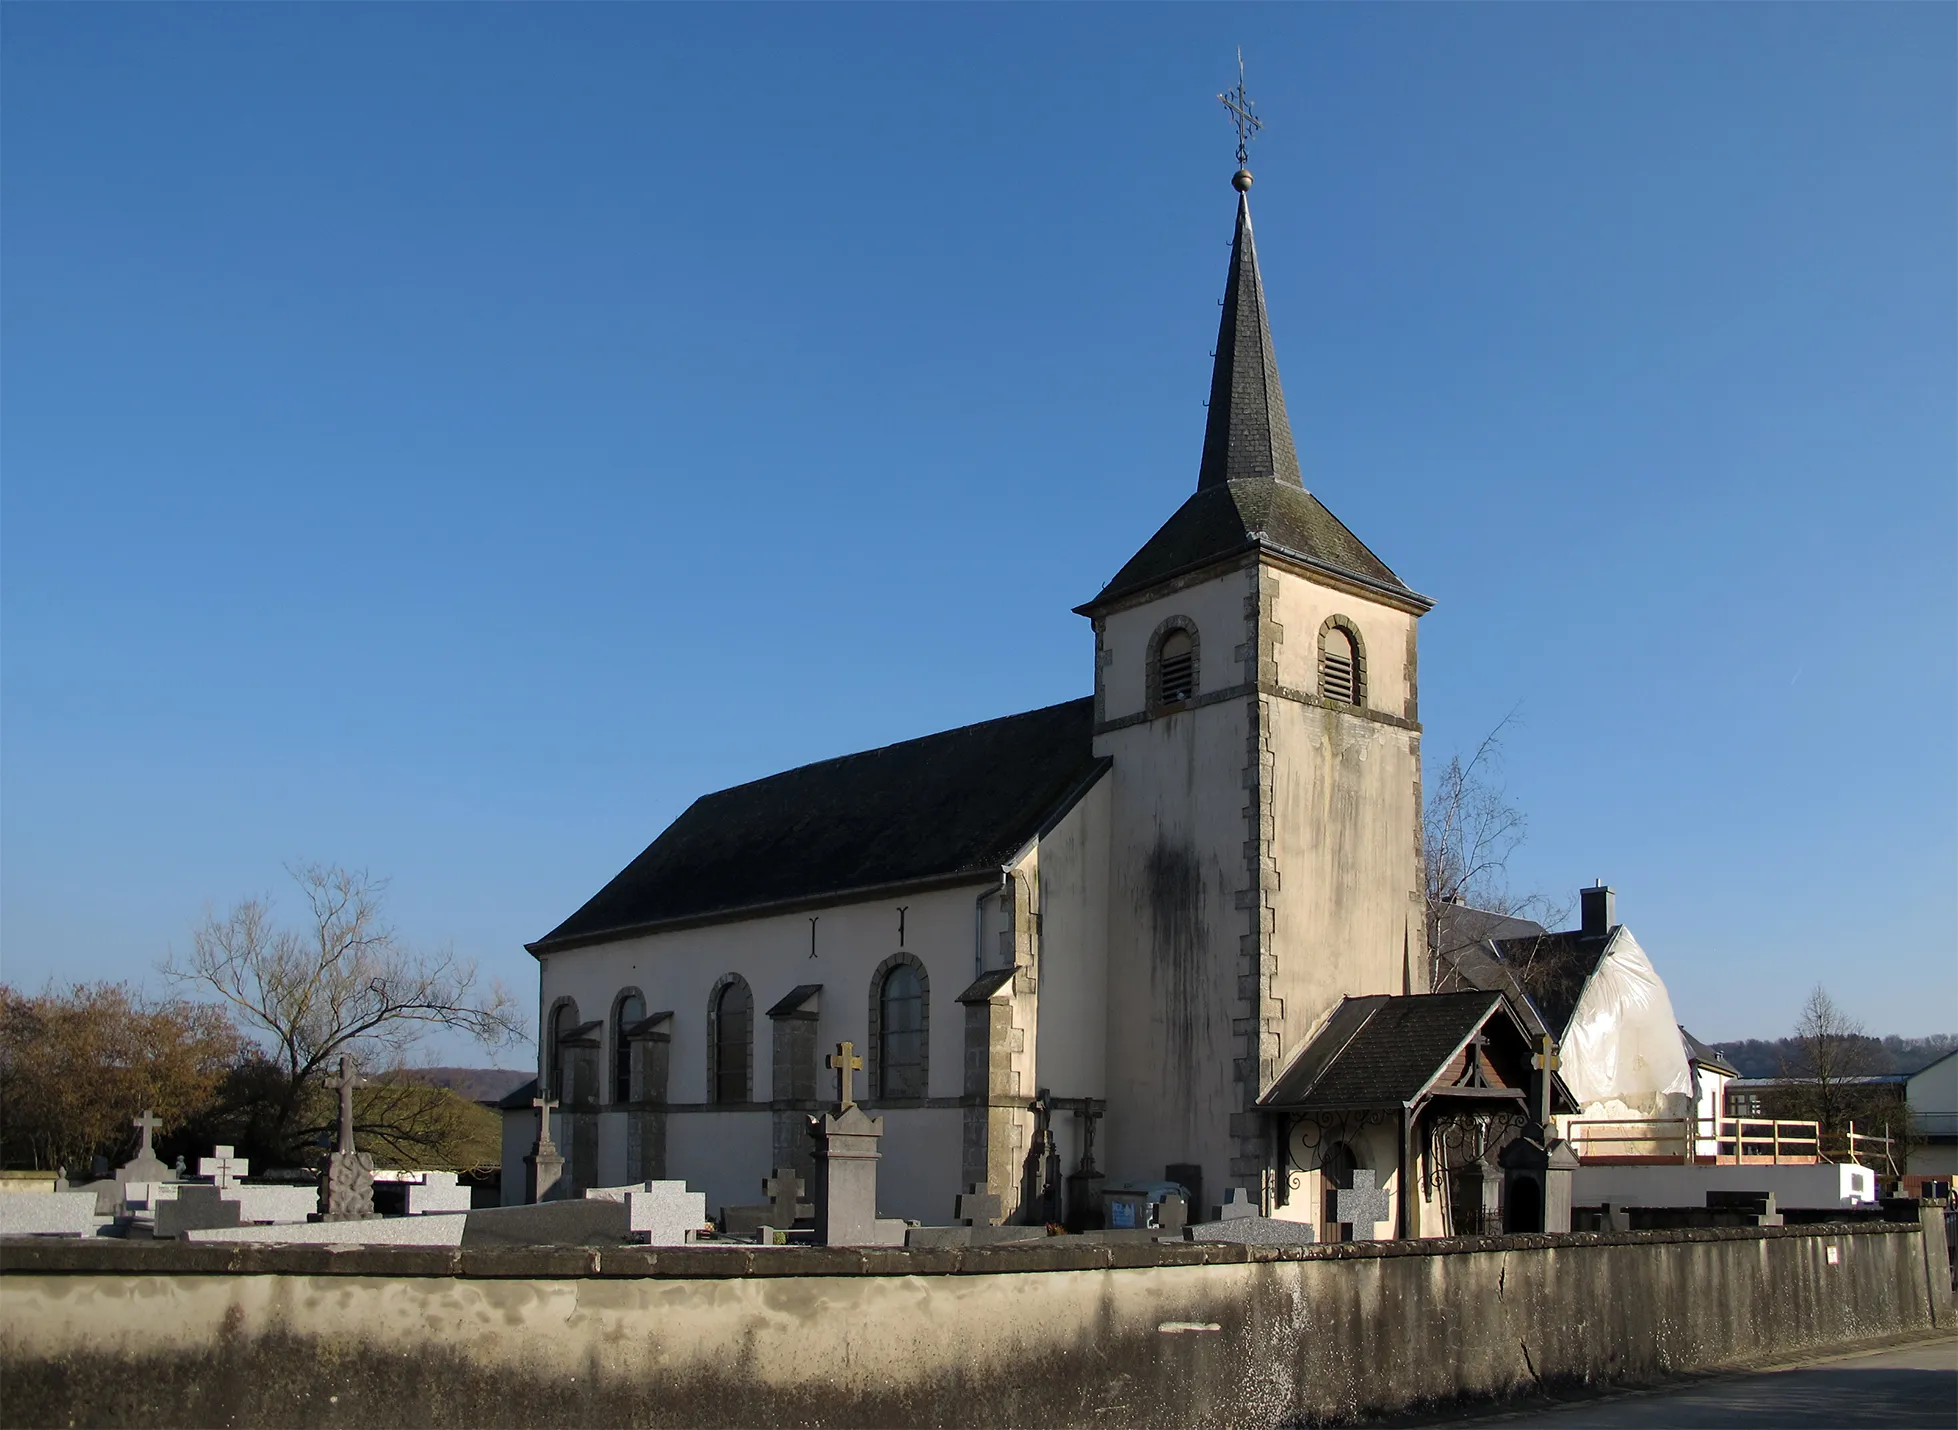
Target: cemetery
(150, 1298)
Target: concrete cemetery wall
(1180, 1334)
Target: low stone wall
(1180, 1334)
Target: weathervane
(1248, 125)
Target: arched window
(901, 1059)
(731, 1024)
(1177, 664)
(631, 1011)
(900, 1028)
(1342, 667)
(557, 1076)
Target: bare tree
(1831, 1054)
(1470, 829)
(341, 982)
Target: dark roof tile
(958, 802)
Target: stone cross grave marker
(1546, 1062)
(1237, 1204)
(147, 1124)
(344, 1084)
(844, 1061)
(784, 1193)
(1172, 1215)
(975, 1206)
(223, 1166)
(1363, 1205)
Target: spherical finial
(1241, 181)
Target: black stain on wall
(1179, 937)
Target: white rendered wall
(1072, 1056)
(1822, 1184)
(722, 1154)
(1177, 862)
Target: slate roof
(1381, 1051)
(1554, 967)
(1248, 435)
(958, 802)
(1706, 1055)
(1250, 494)
(1221, 521)
(518, 1098)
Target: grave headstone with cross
(785, 1205)
(544, 1164)
(1363, 1206)
(224, 1167)
(975, 1206)
(1538, 1166)
(144, 1167)
(347, 1184)
(846, 1167)
(1237, 1205)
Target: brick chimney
(1600, 908)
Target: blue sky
(447, 439)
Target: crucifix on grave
(145, 1125)
(224, 1167)
(543, 1164)
(975, 1206)
(347, 1185)
(345, 1083)
(846, 1167)
(1546, 1062)
(785, 1204)
(1363, 1206)
(843, 1062)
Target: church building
(1173, 930)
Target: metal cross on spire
(1248, 124)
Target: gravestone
(1363, 1206)
(578, 1221)
(543, 1164)
(975, 1207)
(437, 1192)
(846, 1167)
(659, 1213)
(440, 1230)
(785, 1205)
(144, 1166)
(1237, 1204)
(196, 1208)
(1255, 1231)
(49, 1214)
(224, 1167)
(347, 1185)
(1172, 1215)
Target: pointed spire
(1248, 434)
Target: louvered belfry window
(1339, 668)
(1177, 667)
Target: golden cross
(1248, 124)
(845, 1061)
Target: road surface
(1913, 1385)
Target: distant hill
(476, 1084)
(1771, 1057)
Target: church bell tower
(1255, 689)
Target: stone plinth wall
(1186, 1334)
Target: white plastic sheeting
(1622, 1054)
